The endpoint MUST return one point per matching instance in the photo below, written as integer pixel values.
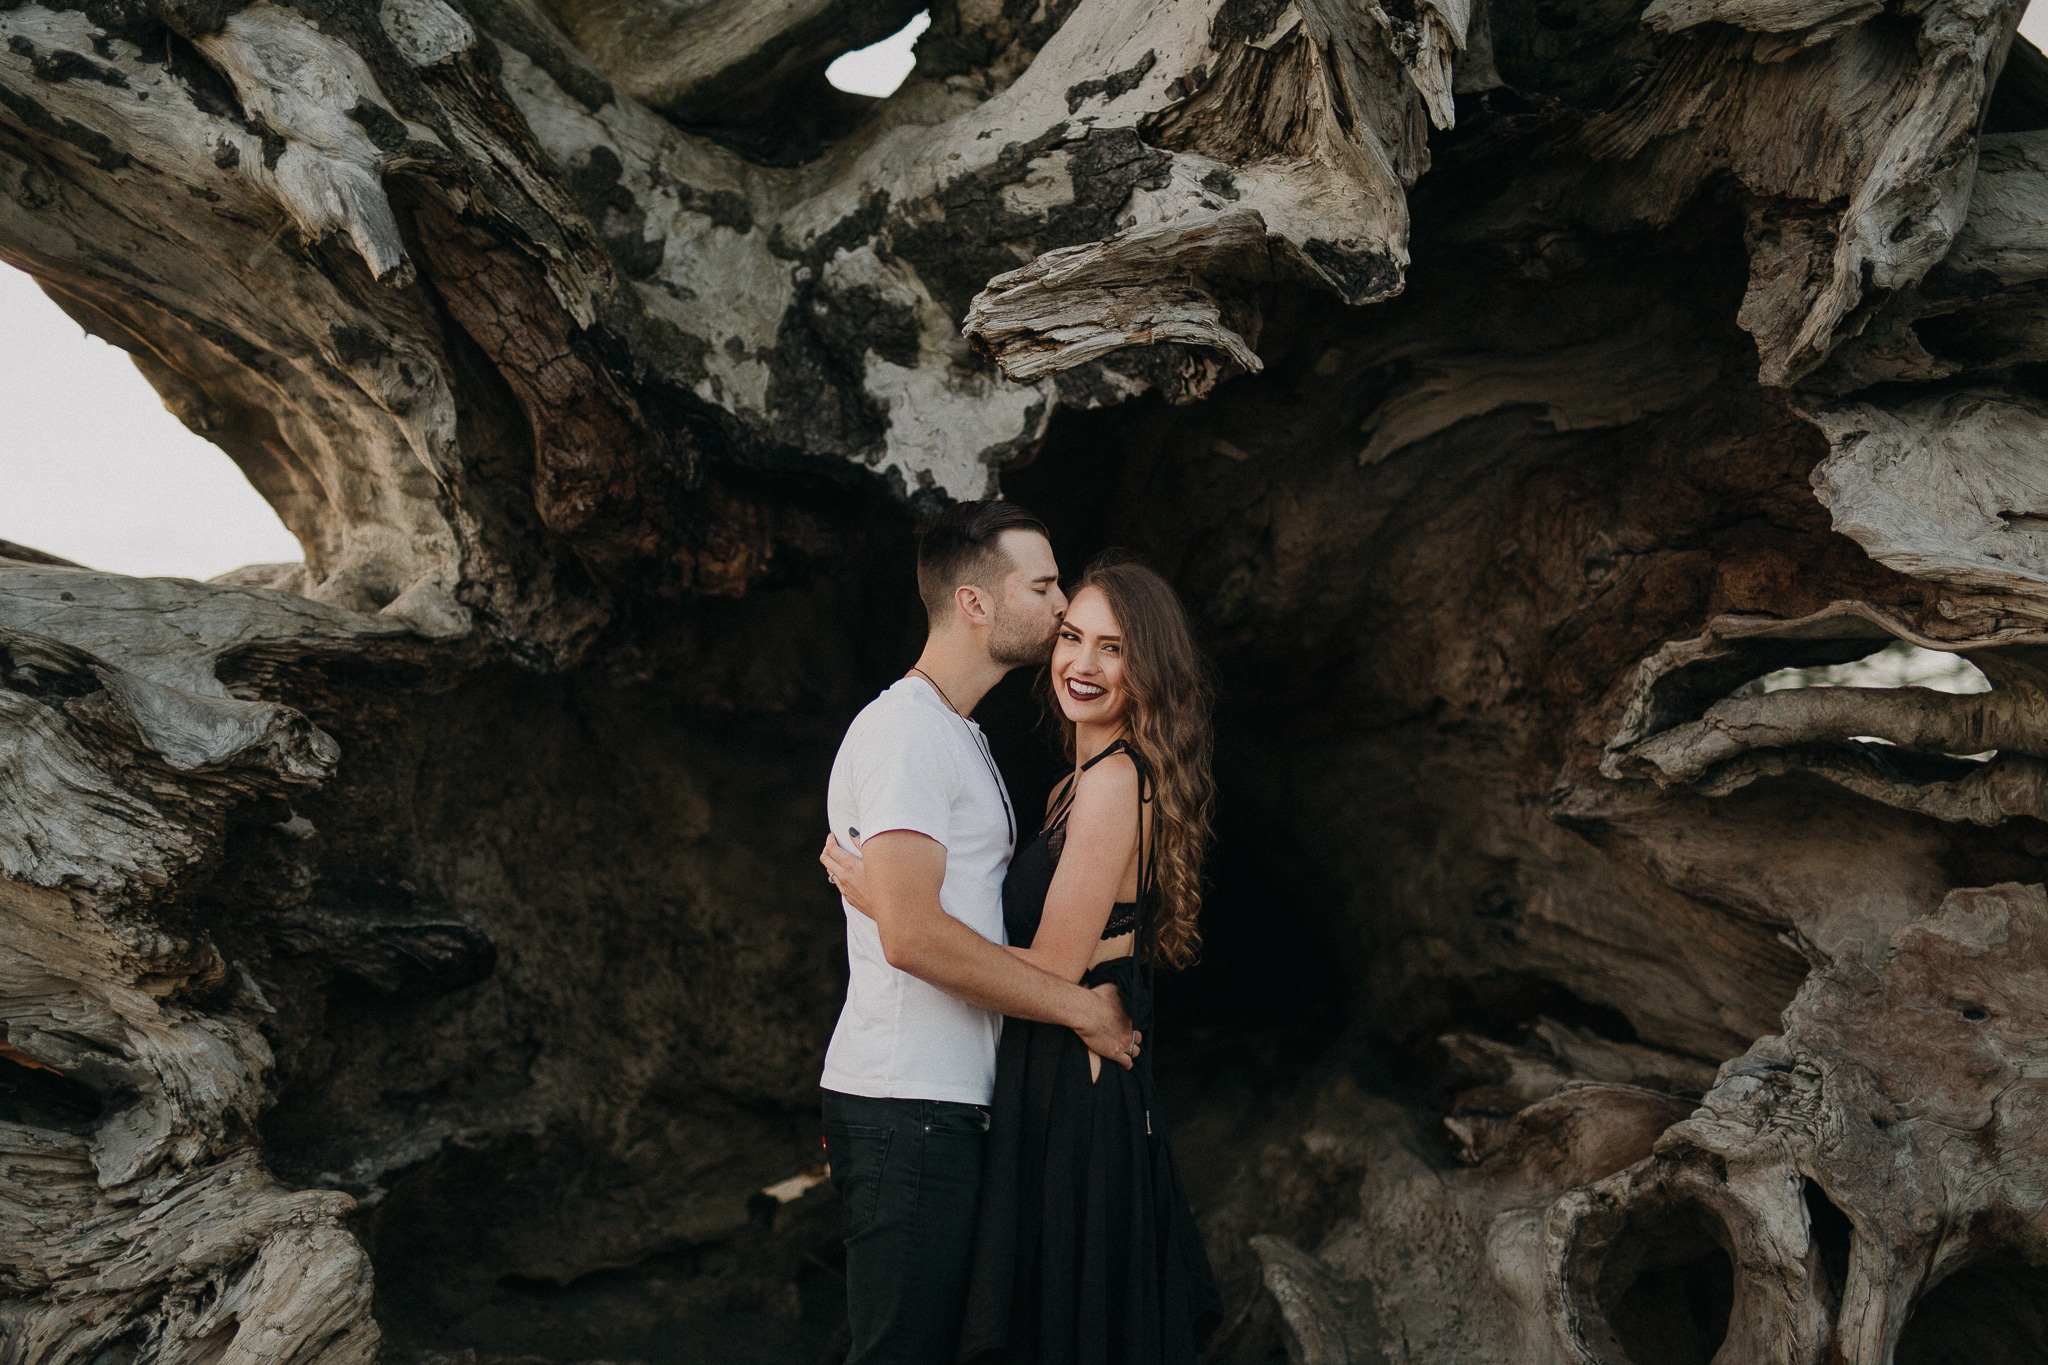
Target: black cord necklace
(980, 747)
(936, 688)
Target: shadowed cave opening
(1271, 957)
(567, 791)
(542, 813)
(545, 810)
(1667, 1287)
(38, 1097)
(1990, 1312)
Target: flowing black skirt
(1085, 1250)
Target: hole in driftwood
(1684, 693)
(1992, 1312)
(1765, 665)
(879, 68)
(2019, 102)
(1897, 664)
(209, 87)
(1833, 1234)
(1667, 1289)
(99, 472)
(39, 1098)
(124, 1351)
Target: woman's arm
(900, 892)
(1102, 840)
(849, 874)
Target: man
(911, 1068)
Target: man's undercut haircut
(963, 545)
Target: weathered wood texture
(151, 1220)
(1900, 1101)
(420, 944)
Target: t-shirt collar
(924, 685)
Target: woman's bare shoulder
(1112, 778)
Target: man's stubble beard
(1014, 645)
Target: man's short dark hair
(963, 544)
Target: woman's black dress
(1085, 1251)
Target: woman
(1085, 1250)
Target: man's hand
(1109, 1035)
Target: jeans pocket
(949, 1119)
(857, 1154)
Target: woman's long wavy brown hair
(1167, 700)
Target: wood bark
(414, 952)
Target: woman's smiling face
(1088, 662)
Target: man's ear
(973, 605)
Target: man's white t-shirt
(909, 763)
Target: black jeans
(908, 1174)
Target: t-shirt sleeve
(905, 780)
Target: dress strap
(1115, 746)
(1062, 803)
(1063, 797)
